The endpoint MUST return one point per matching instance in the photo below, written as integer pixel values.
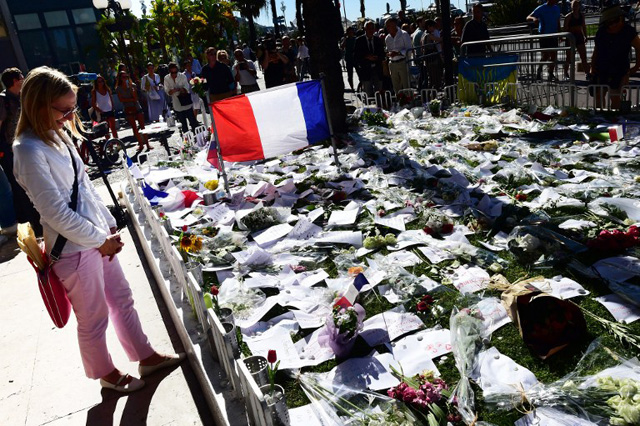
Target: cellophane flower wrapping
(341, 343)
(338, 404)
(604, 388)
(467, 331)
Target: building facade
(57, 33)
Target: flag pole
(220, 160)
(326, 110)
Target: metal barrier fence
(538, 94)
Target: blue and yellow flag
(473, 72)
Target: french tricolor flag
(272, 122)
(349, 297)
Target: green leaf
(438, 412)
(432, 420)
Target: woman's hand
(111, 246)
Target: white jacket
(46, 174)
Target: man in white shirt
(303, 59)
(398, 44)
(244, 72)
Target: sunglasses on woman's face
(67, 114)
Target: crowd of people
(381, 55)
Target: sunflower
(196, 243)
(185, 243)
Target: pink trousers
(98, 290)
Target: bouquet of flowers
(436, 223)
(616, 240)
(427, 394)
(347, 406)
(199, 86)
(341, 328)
(613, 394)
(467, 330)
(406, 99)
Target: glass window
(35, 48)
(58, 18)
(29, 21)
(83, 16)
(65, 46)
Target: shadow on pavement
(9, 250)
(137, 407)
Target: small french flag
(133, 168)
(350, 295)
(272, 122)
(212, 155)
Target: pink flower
(409, 394)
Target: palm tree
(159, 13)
(250, 9)
(274, 12)
(323, 32)
(299, 20)
(212, 18)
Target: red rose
(447, 228)
(521, 197)
(271, 356)
(214, 290)
(427, 299)
(428, 230)
(184, 228)
(422, 306)
(161, 214)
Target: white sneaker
(11, 230)
(3, 239)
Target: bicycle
(106, 150)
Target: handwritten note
(272, 234)
(495, 315)
(389, 325)
(304, 230)
(353, 238)
(621, 310)
(343, 217)
(432, 343)
(470, 280)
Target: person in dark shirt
(23, 209)
(290, 68)
(273, 64)
(610, 59)
(476, 30)
(218, 75)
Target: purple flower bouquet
(341, 329)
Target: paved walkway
(41, 375)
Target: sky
(373, 8)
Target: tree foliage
(172, 27)
(507, 12)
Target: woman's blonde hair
(42, 87)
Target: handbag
(185, 99)
(53, 293)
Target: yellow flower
(185, 243)
(196, 243)
(211, 185)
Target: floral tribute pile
(416, 282)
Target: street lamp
(122, 23)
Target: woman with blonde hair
(132, 109)
(102, 103)
(51, 172)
